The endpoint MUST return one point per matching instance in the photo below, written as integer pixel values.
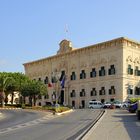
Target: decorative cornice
(122, 41)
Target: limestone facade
(105, 71)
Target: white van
(95, 104)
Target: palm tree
(4, 82)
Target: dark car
(133, 107)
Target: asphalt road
(15, 117)
(65, 127)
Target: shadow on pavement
(130, 122)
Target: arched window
(102, 71)
(93, 73)
(102, 91)
(130, 70)
(83, 74)
(111, 71)
(112, 90)
(82, 93)
(46, 80)
(93, 92)
(73, 76)
(73, 94)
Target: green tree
(32, 89)
(11, 82)
(5, 81)
(20, 80)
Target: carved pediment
(83, 65)
(129, 59)
(73, 67)
(136, 60)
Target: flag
(49, 84)
(63, 81)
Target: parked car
(117, 104)
(107, 104)
(95, 105)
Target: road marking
(30, 123)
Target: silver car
(95, 105)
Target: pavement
(115, 124)
(1, 116)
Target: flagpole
(66, 31)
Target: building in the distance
(106, 71)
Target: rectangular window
(129, 91)
(111, 71)
(137, 91)
(102, 91)
(130, 70)
(112, 90)
(83, 74)
(102, 71)
(93, 92)
(73, 76)
(73, 94)
(137, 71)
(93, 73)
(46, 80)
(82, 93)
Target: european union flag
(63, 81)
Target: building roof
(68, 49)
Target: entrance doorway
(62, 97)
(83, 103)
(73, 103)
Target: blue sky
(33, 29)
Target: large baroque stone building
(106, 71)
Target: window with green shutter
(111, 90)
(130, 70)
(93, 73)
(93, 92)
(102, 91)
(83, 74)
(111, 70)
(73, 76)
(102, 71)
